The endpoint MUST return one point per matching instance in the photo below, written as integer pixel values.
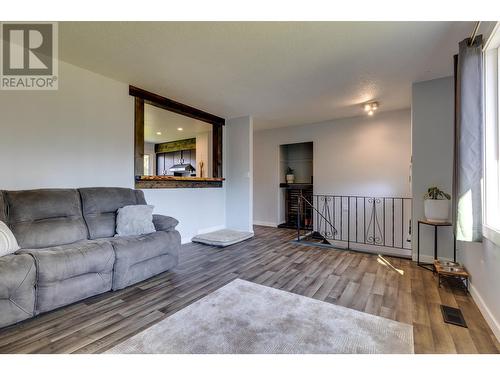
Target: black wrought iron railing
(372, 221)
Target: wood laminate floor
(390, 287)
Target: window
(491, 228)
(175, 145)
(181, 146)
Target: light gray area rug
(244, 317)
(223, 237)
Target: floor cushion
(223, 237)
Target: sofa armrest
(164, 223)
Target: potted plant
(290, 177)
(437, 205)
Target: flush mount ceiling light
(158, 133)
(180, 129)
(370, 108)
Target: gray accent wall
(432, 117)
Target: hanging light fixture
(370, 108)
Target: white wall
(239, 173)
(79, 135)
(198, 210)
(358, 156)
(482, 260)
(204, 153)
(432, 155)
(82, 135)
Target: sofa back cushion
(45, 217)
(100, 206)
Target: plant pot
(290, 178)
(437, 210)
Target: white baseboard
(382, 250)
(185, 240)
(429, 258)
(487, 314)
(265, 223)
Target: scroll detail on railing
(377, 221)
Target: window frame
(491, 154)
(141, 182)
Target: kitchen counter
(167, 182)
(298, 185)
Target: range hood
(182, 168)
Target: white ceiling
(282, 73)
(167, 123)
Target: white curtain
(469, 129)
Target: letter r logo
(27, 49)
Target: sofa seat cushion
(67, 261)
(135, 249)
(72, 272)
(141, 257)
(17, 288)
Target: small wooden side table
(436, 225)
(452, 272)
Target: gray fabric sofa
(68, 249)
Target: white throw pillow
(134, 220)
(8, 243)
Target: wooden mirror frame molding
(160, 182)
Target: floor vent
(452, 315)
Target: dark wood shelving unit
(293, 191)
